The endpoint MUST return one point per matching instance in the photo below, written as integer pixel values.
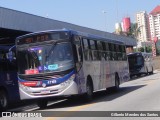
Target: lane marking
(78, 108)
(49, 104)
(150, 81)
(34, 106)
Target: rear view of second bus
(140, 63)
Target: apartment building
(154, 22)
(142, 26)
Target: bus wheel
(42, 103)
(89, 92)
(117, 83)
(146, 71)
(151, 71)
(3, 100)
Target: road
(139, 94)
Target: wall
(156, 61)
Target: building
(126, 24)
(142, 27)
(154, 22)
(118, 28)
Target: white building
(154, 19)
(142, 26)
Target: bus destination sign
(42, 38)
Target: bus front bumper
(62, 89)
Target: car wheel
(3, 100)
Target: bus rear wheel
(3, 100)
(42, 103)
(146, 71)
(117, 83)
(151, 71)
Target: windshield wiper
(52, 48)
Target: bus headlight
(65, 84)
(25, 88)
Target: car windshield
(45, 58)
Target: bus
(140, 63)
(65, 62)
(9, 90)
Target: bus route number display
(33, 39)
(39, 38)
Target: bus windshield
(135, 61)
(45, 58)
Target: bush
(147, 49)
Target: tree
(133, 30)
(147, 49)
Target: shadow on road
(140, 76)
(98, 97)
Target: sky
(87, 13)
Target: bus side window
(1, 64)
(1, 56)
(120, 53)
(85, 49)
(4, 66)
(90, 51)
(77, 50)
(12, 65)
(93, 49)
(124, 56)
(112, 51)
(7, 64)
(104, 55)
(107, 51)
(116, 51)
(100, 49)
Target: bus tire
(147, 71)
(3, 100)
(42, 103)
(117, 83)
(151, 71)
(88, 97)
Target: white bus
(140, 63)
(65, 62)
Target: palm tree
(133, 30)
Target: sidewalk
(157, 71)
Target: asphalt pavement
(138, 94)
